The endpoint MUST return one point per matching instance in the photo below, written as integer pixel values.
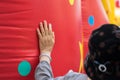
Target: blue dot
(24, 68)
(91, 20)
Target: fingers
(45, 29)
(53, 35)
(42, 29)
(46, 37)
(38, 32)
(50, 29)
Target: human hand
(46, 37)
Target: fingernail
(50, 24)
(44, 20)
(40, 23)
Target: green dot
(24, 68)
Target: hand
(46, 37)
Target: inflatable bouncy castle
(72, 20)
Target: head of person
(103, 59)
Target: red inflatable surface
(93, 16)
(18, 40)
(73, 21)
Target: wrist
(45, 56)
(45, 51)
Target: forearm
(43, 71)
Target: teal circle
(91, 20)
(24, 68)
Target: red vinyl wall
(19, 52)
(93, 16)
(18, 40)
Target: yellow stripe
(81, 57)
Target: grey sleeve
(43, 71)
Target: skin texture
(46, 39)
